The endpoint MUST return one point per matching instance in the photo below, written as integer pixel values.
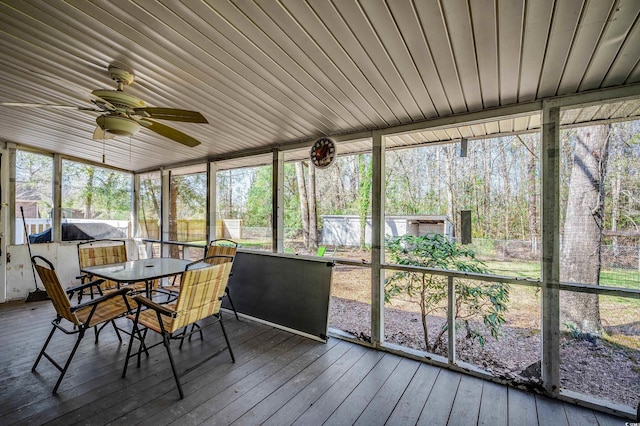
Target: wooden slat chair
(104, 252)
(219, 247)
(95, 313)
(200, 297)
(224, 247)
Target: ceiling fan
(123, 114)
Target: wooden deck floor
(278, 379)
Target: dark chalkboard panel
(287, 290)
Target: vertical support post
(463, 147)
(7, 224)
(465, 227)
(550, 365)
(451, 319)
(164, 212)
(57, 198)
(277, 208)
(377, 239)
(212, 201)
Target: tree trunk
(313, 209)
(581, 244)
(174, 190)
(364, 196)
(230, 199)
(304, 204)
(423, 311)
(615, 201)
(504, 170)
(88, 199)
(532, 193)
(487, 211)
(451, 179)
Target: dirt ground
(607, 368)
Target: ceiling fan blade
(169, 132)
(171, 114)
(34, 105)
(100, 134)
(53, 106)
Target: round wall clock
(323, 153)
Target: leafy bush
(474, 299)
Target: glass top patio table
(141, 270)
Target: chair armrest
(153, 305)
(83, 286)
(119, 292)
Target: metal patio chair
(200, 297)
(104, 252)
(95, 313)
(216, 248)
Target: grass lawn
(609, 277)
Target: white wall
(64, 257)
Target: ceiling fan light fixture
(119, 126)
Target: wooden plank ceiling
(272, 72)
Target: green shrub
(474, 300)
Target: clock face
(323, 153)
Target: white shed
(344, 230)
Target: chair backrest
(201, 293)
(101, 252)
(221, 247)
(56, 293)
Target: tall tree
(313, 209)
(582, 236)
(258, 210)
(451, 176)
(150, 206)
(34, 174)
(530, 144)
(88, 192)
(304, 203)
(174, 190)
(365, 173)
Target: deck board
(304, 388)
(304, 409)
(385, 400)
(410, 405)
(304, 367)
(440, 402)
(249, 383)
(550, 411)
(522, 408)
(577, 417)
(493, 406)
(353, 405)
(466, 405)
(205, 388)
(278, 379)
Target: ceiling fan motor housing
(120, 75)
(118, 125)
